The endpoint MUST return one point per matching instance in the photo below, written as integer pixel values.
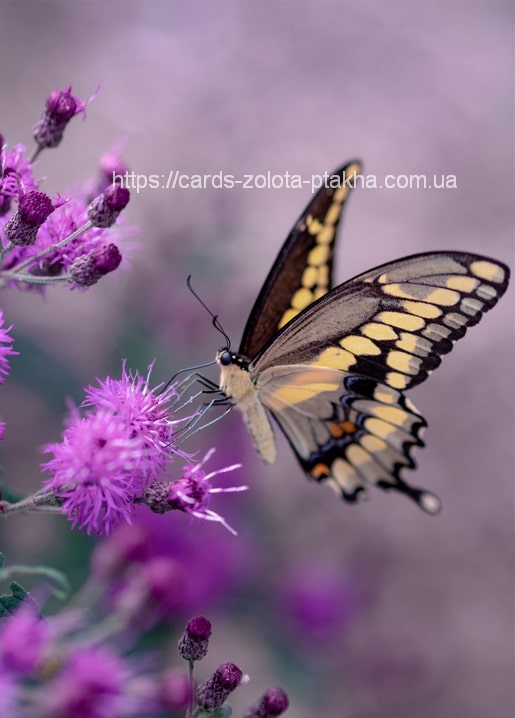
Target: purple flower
(33, 210)
(87, 269)
(60, 107)
(107, 457)
(215, 691)
(24, 637)
(272, 704)
(191, 493)
(145, 410)
(91, 684)
(104, 209)
(96, 472)
(5, 349)
(195, 639)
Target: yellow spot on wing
(422, 309)
(487, 270)
(397, 381)
(318, 255)
(403, 321)
(444, 297)
(335, 358)
(309, 277)
(325, 235)
(360, 345)
(406, 363)
(304, 385)
(391, 414)
(301, 298)
(314, 225)
(381, 332)
(413, 344)
(462, 284)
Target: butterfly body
(331, 365)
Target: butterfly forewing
(302, 272)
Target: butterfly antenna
(216, 321)
(190, 369)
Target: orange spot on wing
(344, 427)
(320, 471)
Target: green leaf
(9, 604)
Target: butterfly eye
(225, 358)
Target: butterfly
(331, 365)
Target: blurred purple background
(360, 612)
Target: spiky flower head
(107, 457)
(191, 493)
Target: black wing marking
(302, 271)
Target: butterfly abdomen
(237, 385)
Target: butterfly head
(225, 358)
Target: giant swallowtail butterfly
(331, 366)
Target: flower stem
(53, 248)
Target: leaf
(59, 584)
(9, 604)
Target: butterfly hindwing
(302, 272)
(333, 378)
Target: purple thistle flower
(106, 458)
(105, 209)
(5, 349)
(96, 474)
(60, 107)
(272, 704)
(146, 412)
(24, 638)
(194, 641)
(33, 210)
(214, 692)
(87, 269)
(191, 493)
(91, 684)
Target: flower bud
(194, 641)
(214, 692)
(87, 269)
(104, 209)
(33, 210)
(60, 108)
(272, 704)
